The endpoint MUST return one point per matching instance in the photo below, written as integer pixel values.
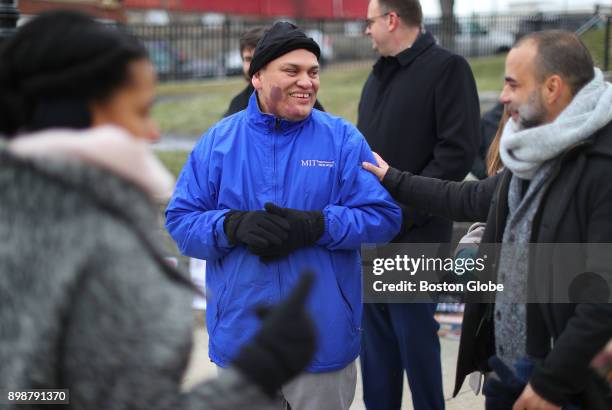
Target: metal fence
(194, 50)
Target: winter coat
(577, 208)
(420, 111)
(252, 158)
(87, 301)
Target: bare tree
(449, 24)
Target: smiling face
(522, 92)
(287, 86)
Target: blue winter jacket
(251, 158)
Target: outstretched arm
(460, 201)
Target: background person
(419, 109)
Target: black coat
(576, 208)
(241, 100)
(420, 111)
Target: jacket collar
(120, 197)
(601, 141)
(107, 147)
(104, 188)
(423, 43)
(269, 122)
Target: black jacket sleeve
(459, 201)
(457, 123)
(565, 371)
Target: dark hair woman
(87, 302)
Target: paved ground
(201, 368)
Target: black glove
(305, 228)
(255, 229)
(284, 345)
(502, 389)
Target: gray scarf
(524, 151)
(510, 316)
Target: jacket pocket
(219, 307)
(348, 308)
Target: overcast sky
(467, 7)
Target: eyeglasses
(369, 21)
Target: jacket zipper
(274, 138)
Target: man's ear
(393, 21)
(256, 81)
(554, 87)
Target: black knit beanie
(281, 39)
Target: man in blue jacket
(271, 191)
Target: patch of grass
(488, 72)
(181, 88)
(173, 160)
(190, 108)
(341, 89)
(595, 41)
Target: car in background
(325, 44)
(232, 63)
(171, 64)
(472, 39)
(167, 62)
(480, 41)
(541, 21)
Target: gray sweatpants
(320, 391)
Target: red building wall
(111, 10)
(326, 9)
